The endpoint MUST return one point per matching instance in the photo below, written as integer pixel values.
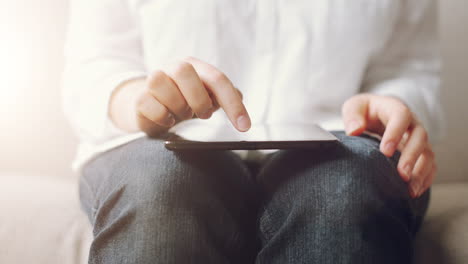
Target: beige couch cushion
(41, 221)
(444, 234)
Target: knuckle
(155, 114)
(160, 116)
(150, 128)
(353, 103)
(184, 111)
(219, 78)
(202, 106)
(188, 58)
(182, 68)
(181, 107)
(424, 135)
(418, 174)
(346, 106)
(234, 103)
(407, 159)
(363, 97)
(142, 100)
(188, 114)
(404, 111)
(156, 79)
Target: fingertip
(243, 123)
(412, 192)
(420, 190)
(354, 128)
(405, 176)
(169, 121)
(388, 148)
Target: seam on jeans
(99, 173)
(93, 204)
(271, 158)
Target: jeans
(343, 204)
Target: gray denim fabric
(344, 204)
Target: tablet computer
(225, 137)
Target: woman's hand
(394, 121)
(174, 94)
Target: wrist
(122, 104)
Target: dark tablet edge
(246, 145)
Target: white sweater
(294, 61)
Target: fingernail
(188, 113)
(389, 147)
(243, 123)
(170, 121)
(407, 170)
(353, 126)
(207, 114)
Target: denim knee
(189, 205)
(352, 181)
(151, 181)
(140, 172)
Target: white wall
(34, 137)
(453, 153)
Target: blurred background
(35, 138)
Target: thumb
(354, 112)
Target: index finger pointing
(224, 92)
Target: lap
(351, 178)
(301, 201)
(353, 160)
(146, 170)
(353, 169)
(188, 206)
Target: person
(366, 70)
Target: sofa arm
(443, 237)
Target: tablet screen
(224, 136)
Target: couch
(41, 222)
